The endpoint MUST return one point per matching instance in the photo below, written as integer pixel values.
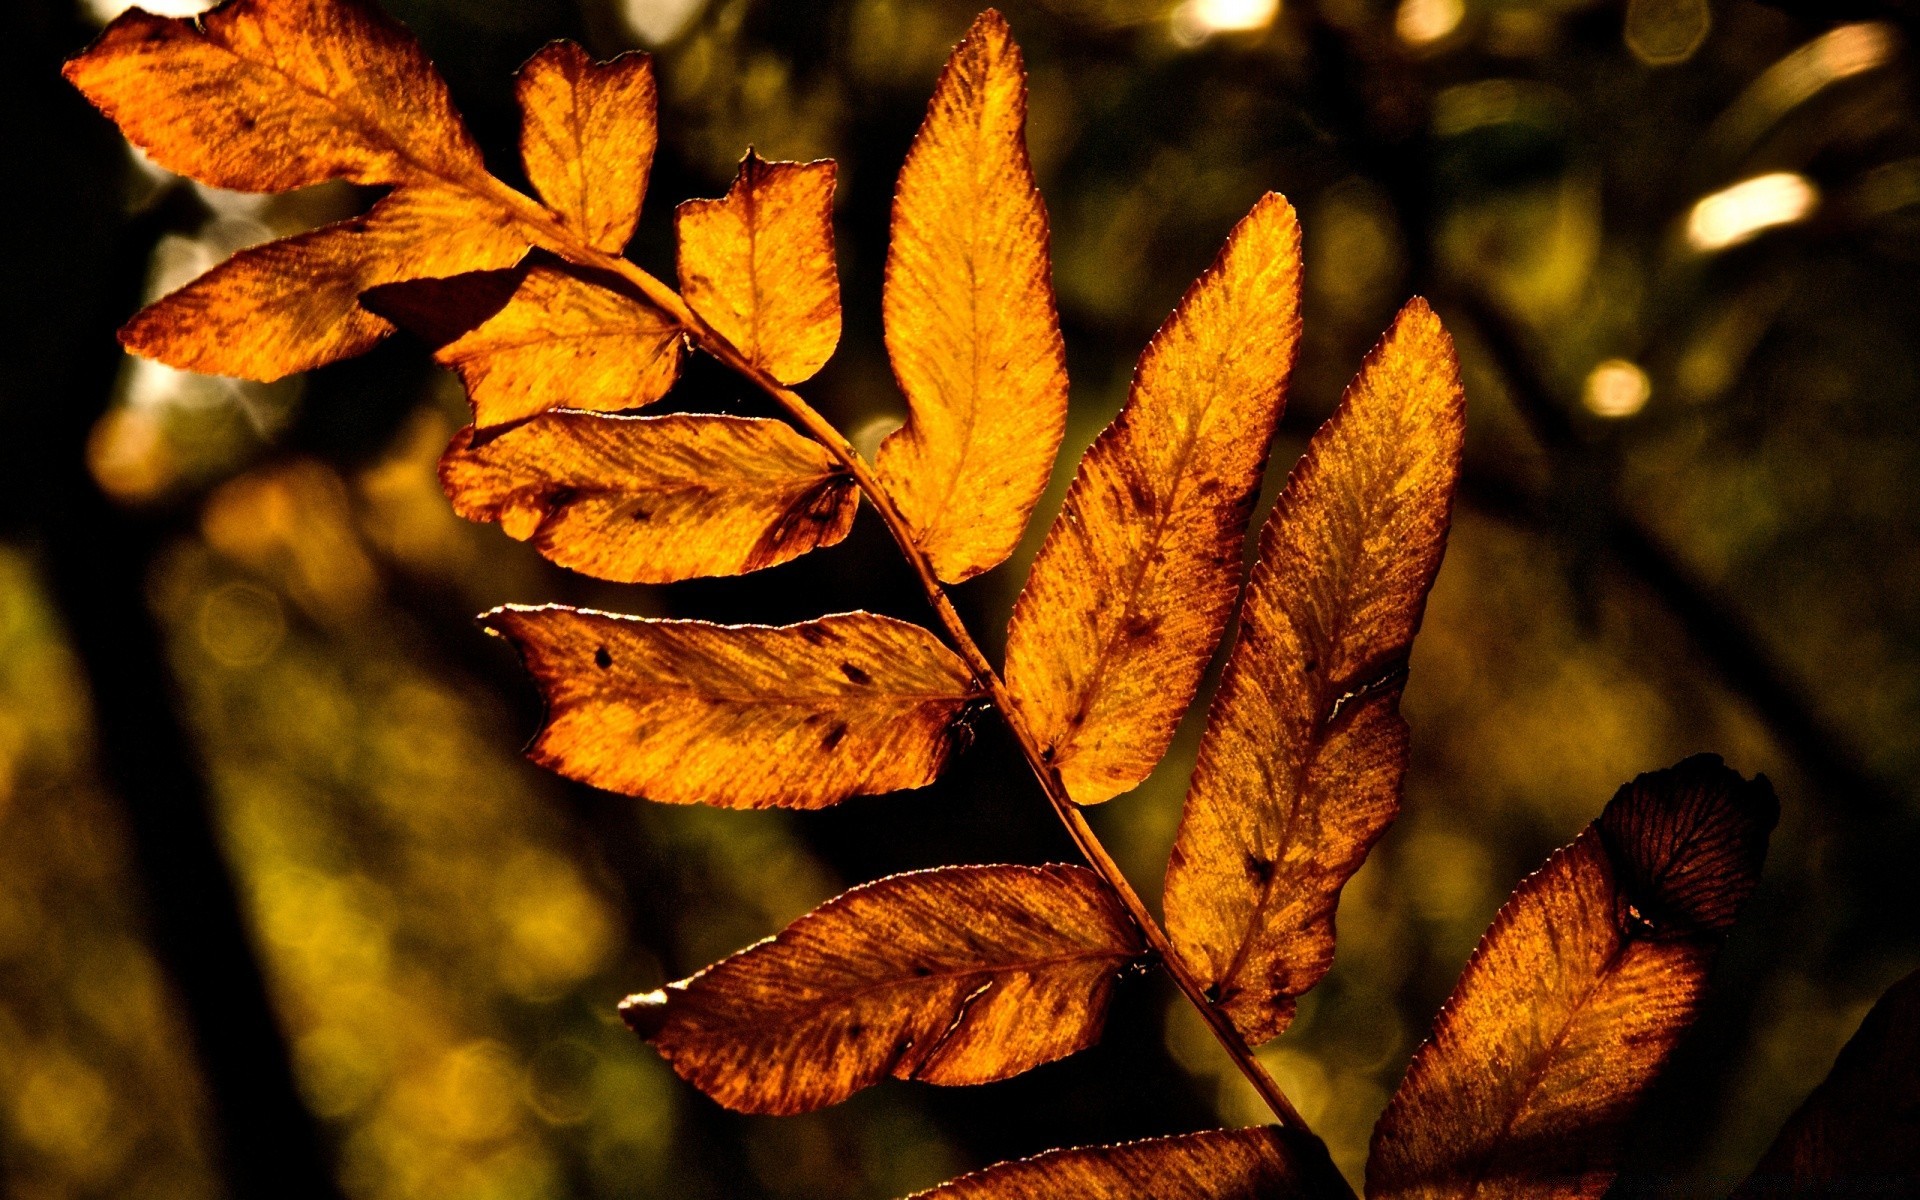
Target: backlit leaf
(653, 499)
(741, 716)
(1858, 1134)
(1220, 1164)
(270, 95)
(1576, 996)
(1132, 587)
(953, 976)
(757, 265)
(970, 320)
(292, 305)
(1300, 768)
(587, 137)
(547, 335)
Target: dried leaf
(587, 137)
(741, 716)
(953, 976)
(1133, 585)
(292, 305)
(757, 265)
(1858, 1134)
(545, 336)
(1220, 1164)
(1300, 768)
(653, 499)
(970, 320)
(1576, 996)
(270, 95)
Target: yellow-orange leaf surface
(757, 265)
(970, 320)
(587, 137)
(1220, 1164)
(1133, 585)
(1576, 996)
(741, 716)
(653, 499)
(268, 95)
(293, 305)
(958, 975)
(1300, 768)
(545, 336)
(1858, 1134)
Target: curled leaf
(1131, 589)
(1220, 1164)
(271, 95)
(1300, 768)
(545, 335)
(653, 499)
(970, 320)
(741, 716)
(958, 975)
(1576, 996)
(587, 136)
(1858, 1134)
(757, 265)
(292, 305)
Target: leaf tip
(645, 1012)
(1688, 843)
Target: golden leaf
(271, 95)
(1220, 1164)
(1300, 768)
(1858, 1134)
(757, 265)
(653, 499)
(741, 716)
(292, 305)
(1576, 996)
(587, 137)
(1132, 587)
(548, 335)
(958, 975)
(970, 320)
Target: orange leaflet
(1300, 769)
(970, 320)
(653, 499)
(546, 335)
(1858, 1134)
(1132, 588)
(270, 96)
(757, 265)
(1576, 996)
(741, 716)
(957, 975)
(587, 137)
(1220, 1164)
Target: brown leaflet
(740, 716)
(958, 975)
(1300, 768)
(292, 305)
(1576, 996)
(757, 265)
(1132, 587)
(587, 138)
(549, 335)
(270, 95)
(1858, 1134)
(971, 326)
(1220, 1164)
(653, 499)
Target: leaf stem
(1070, 815)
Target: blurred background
(282, 911)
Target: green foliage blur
(1677, 241)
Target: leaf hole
(602, 659)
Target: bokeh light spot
(1738, 213)
(1663, 32)
(1424, 22)
(1616, 388)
